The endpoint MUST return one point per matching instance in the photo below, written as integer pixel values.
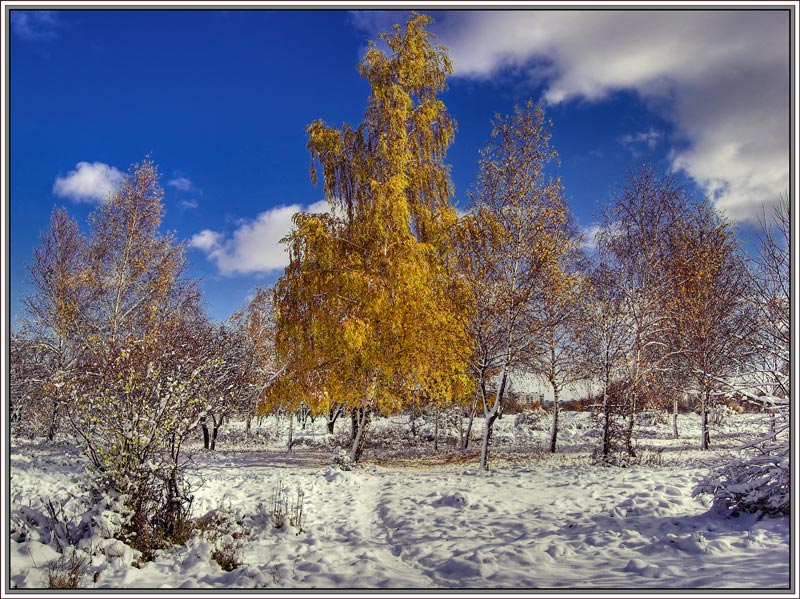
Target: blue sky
(221, 100)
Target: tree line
(393, 302)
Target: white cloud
(89, 182)
(589, 237)
(188, 204)
(34, 25)
(650, 138)
(181, 184)
(206, 240)
(255, 246)
(720, 77)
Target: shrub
(759, 484)
(530, 419)
(226, 553)
(278, 506)
(66, 573)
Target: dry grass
(66, 573)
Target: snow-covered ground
(411, 519)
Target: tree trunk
(215, 432)
(487, 437)
(361, 421)
(675, 418)
(331, 415)
(436, 429)
(705, 438)
(51, 430)
(290, 440)
(629, 431)
(354, 424)
(491, 416)
(205, 432)
(606, 418)
(554, 429)
(248, 424)
(465, 438)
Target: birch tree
(605, 341)
(708, 310)
(771, 297)
(509, 249)
(559, 318)
(368, 310)
(55, 311)
(637, 227)
(255, 325)
(136, 398)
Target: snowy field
(412, 519)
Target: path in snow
(552, 522)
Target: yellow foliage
(368, 311)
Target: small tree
(509, 250)
(28, 410)
(605, 341)
(56, 311)
(709, 315)
(759, 479)
(136, 395)
(223, 383)
(558, 317)
(771, 297)
(254, 327)
(636, 242)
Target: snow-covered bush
(720, 414)
(754, 484)
(757, 483)
(531, 420)
(651, 418)
(134, 423)
(341, 459)
(227, 553)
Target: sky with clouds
(220, 100)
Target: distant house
(526, 399)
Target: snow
(411, 519)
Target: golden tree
(709, 311)
(368, 311)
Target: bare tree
(29, 411)
(605, 337)
(637, 229)
(771, 297)
(255, 328)
(509, 247)
(558, 317)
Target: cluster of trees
(393, 302)
(117, 346)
